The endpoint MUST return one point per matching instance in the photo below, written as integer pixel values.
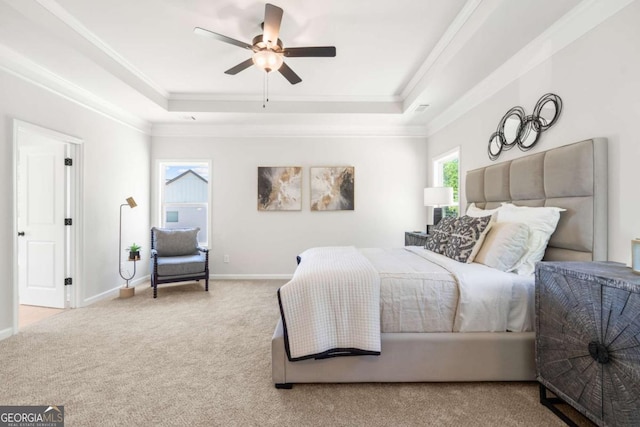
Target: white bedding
(341, 298)
(421, 291)
(415, 295)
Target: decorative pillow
(476, 212)
(176, 242)
(504, 245)
(439, 236)
(542, 222)
(466, 238)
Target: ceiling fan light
(267, 60)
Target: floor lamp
(437, 197)
(132, 204)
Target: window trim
(438, 161)
(160, 164)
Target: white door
(41, 220)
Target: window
(172, 216)
(445, 174)
(184, 195)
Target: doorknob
(20, 233)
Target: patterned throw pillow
(440, 233)
(466, 238)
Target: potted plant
(134, 255)
(134, 252)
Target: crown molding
(65, 17)
(19, 66)
(255, 105)
(574, 24)
(191, 96)
(445, 41)
(287, 131)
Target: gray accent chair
(176, 257)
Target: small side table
(415, 238)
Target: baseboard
(105, 295)
(141, 280)
(6, 333)
(250, 276)
(112, 293)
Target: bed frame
(573, 177)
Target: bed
(573, 177)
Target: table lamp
(436, 197)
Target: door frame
(74, 251)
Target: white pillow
(476, 212)
(542, 222)
(504, 245)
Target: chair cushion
(176, 242)
(181, 265)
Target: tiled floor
(29, 314)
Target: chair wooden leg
(155, 290)
(206, 284)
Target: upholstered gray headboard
(573, 177)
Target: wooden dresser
(588, 339)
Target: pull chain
(264, 90)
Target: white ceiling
(139, 60)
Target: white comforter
(340, 299)
(489, 300)
(415, 295)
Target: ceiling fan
(268, 50)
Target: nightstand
(415, 238)
(588, 339)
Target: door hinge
(68, 221)
(68, 281)
(68, 161)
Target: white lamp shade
(438, 196)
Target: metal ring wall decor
(529, 133)
(546, 119)
(516, 128)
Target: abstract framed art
(279, 188)
(332, 188)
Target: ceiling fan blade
(241, 66)
(318, 51)
(289, 74)
(272, 20)
(203, 32)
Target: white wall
(116, 165)
(598, 79)
(390, 174)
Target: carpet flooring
(192, 358)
